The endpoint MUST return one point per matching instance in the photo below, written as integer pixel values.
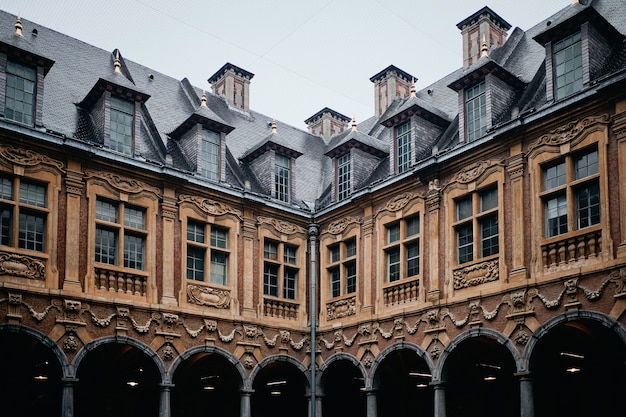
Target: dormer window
(282, 177)
(568, 66)
(343, 177)
(121, 127)
(403, 147)
(20, 93)
(476, 111)
(210, 155)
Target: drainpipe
(313, 231)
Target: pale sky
(306, 55)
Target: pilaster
(515, 171)
(74, 189)
(168, 216)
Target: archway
(206, 382)
(578, 368)
(117, 379)
(479, 378)
(343, 387)
(402, 382)
(279, 388)
(31, 376)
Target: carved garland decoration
(341, 308)
(568, 132)
(212, 207)
(475, 274)
(339, 226)
(281, 226)
(123, 184)
(207, 296)
(26, 157)
(22, 266)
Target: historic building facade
(167, 251)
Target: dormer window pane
(476, 111)
(209, 157)
(403, 146)
(343, 177)
(121, 133)
(568, 66)
(282, 170)
(19, 93)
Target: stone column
(67, 399)
(527, 401)
(372, 406)
(244, 409)
(168, 216)
(164, 403)
(74, 189)
(440, 400)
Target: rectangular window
(350, 248)
(210, 155)
(475, 111)
(402, 254)
(20, 90)
(28, 206)
(130, 233)
(270, 250)
(343, 177)
(335, 282)
(568, 66)
(413, 259)
(282, 171)
(290, 254)
(465, 243)
(207, 261)
(334, 253)
(574, 180)
(342, 271)
(121, 125)
(476, 228)
(393, 264)
(270, 280)
(289, 286)
(350, 277)
(403, 147)
(393, 233)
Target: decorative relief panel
(474, 171)
(568, 132)
(281, 226)
(212, 207)
(398, 202)
(340, 225)
(207, 296)
(476, 274)
(341, 308)
(25, 157)
(22, 266)
(123, 184)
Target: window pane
(464, 208)
(6, 188)
(270, 250)
(195, 232)
(489, 236)
(475, 111)
(350, 248)
(134, 249)
(393, 233)
(586, 165)
(195, 263)
(587, 206)
(343, 177)
(270, 280)
(413, 226)
(489, 199)
(106, 246)
(209, 157)
(289, 285)
(334, 253)
(219, 237)
(554, 176)
(465, 243)
(282, 168)
(568, 66)
(5, 227)
(31, 232)
(290, 254)
(350, 277)
(403, 147)
(32, 194)
(121, 125)
(335, 283)
(412, 259)
(393, 265)
(134, 218)
(218, 268)
(556, 216)
(20, 93)
(106, 211)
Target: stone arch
(279, 358)
(369, 382)
(340, 356)
(241, 372)
(147, 350)
(478, 332)
(68, 370)
(569, 316)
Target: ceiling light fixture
(274, 383)
(573, 355)
(490, 378)
(573, 370)
(420, 374)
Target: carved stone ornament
(568, 132)
(281, 226)
(619, 279)
(474, 171)
(399, 202)
(212, 207)
(340, 225)
(70, 345)
(476, 274)
(22, 266)
(207, 296)
(123, 184)
(24, 157)
(341, 308)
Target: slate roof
(169, 105)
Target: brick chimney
(389, 84)
(482, 30)
(326, 123)
(232, 83)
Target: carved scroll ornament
(22, 266)
(207, 296)
(476, 274)
(25, 157)
(568, 132)
(281, 226)
(123, 184)
(340, 225)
